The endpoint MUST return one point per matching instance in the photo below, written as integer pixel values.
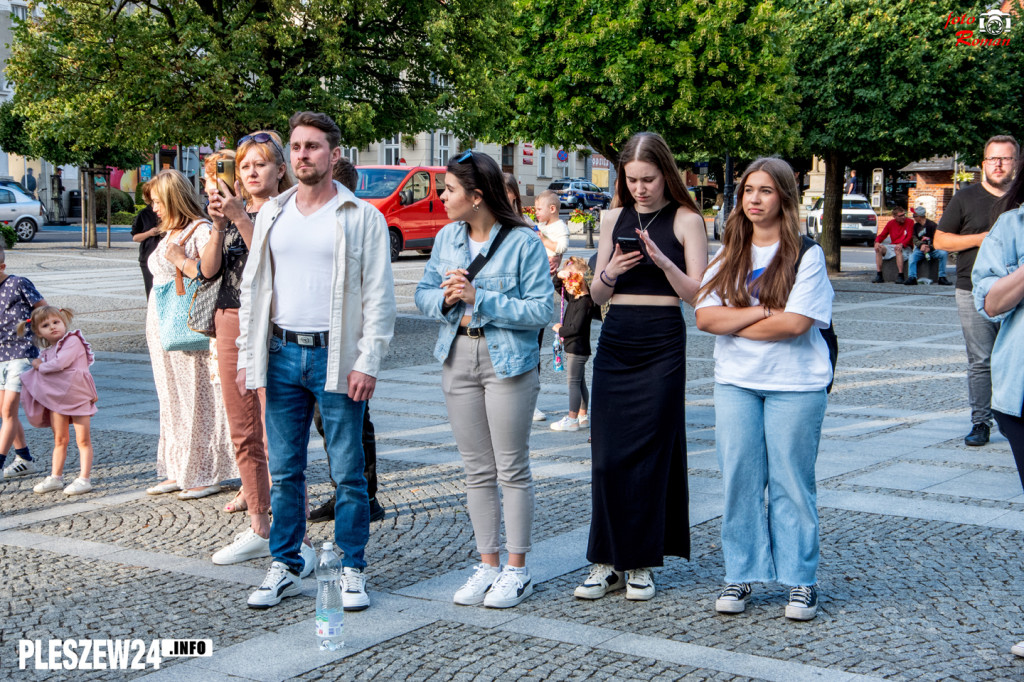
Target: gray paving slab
(907, 476)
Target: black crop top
(647, 278)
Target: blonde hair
(181, 204)
(272, 151)
(40, 315)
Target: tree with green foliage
(132, 74)
(709, 77)
(885, 80)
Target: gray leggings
(491, 419)
(575, 372)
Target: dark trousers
(1013, 428)
(369, 447)
(147, 276)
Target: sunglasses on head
(259, 138)
(464, 156)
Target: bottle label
(329, 625)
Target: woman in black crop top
(638, 482)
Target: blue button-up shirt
(514, 295)
(1001, 253)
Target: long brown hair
(652, 148)
(735, 260)
(180, 200)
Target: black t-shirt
(971, 211)
(144, 221)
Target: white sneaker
(48, 485)
(566, 423)
(78, 486)
(603, 579)
(353, 589)
(539, 416)
(20, 467)
(247, 545)
(510, 589)
(639, 584)
(584, 421)
(472, 593)
(308, 556)
(1017, 649)
(279, 583)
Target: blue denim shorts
(10, 374)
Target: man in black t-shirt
(962, 228)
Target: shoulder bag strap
(179, 283)
(480, 261)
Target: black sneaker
(944, 282)
(733, 599)
(911, 281)
(376, 510)
(978, 435)
(878, 279)
(899, 279)
(324, 512)
(803, 603)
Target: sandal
(238, 504)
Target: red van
(410, 199)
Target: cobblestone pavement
(921, 536)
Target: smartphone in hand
(226, 172)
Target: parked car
(579, 194)
(859, 222)
(410, 199)
(19, 209)
(704, 195)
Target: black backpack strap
(806, 244)
(480, 261)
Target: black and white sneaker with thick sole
(510, 589)
(733, 599)
(279, 583)
(603, 579)
(639, 584)
(353, 589)
(803, 603)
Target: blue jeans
(296, 376)
(768, 440)
(936, 254)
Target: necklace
(639, 222)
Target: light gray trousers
(491, 419)
(979, 337)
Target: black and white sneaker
(733, 599)
(803, 603)
(512, 587)
(279, 583)
(353, 589)
(20, 467)
(603, 579)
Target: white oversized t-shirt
(302, 255)
(557, 232)
(797, 364)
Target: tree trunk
(832, 214)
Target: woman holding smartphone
(652, 253)
(488, 344)
(766, 296)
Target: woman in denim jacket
(488, 344)
(998, 280)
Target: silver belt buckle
(305, 339)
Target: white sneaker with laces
(539, 416)
(566, 423)
(603, 579)
(247, 545)
(49, 484)
(20, 467)
(78, 486)
(510, 589)
(308, 556)
(279, 583)
(473, 591)
(353, 589)
(639, 584)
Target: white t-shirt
(557, 232)
(797, 364)
(302, 255)
(475, 248)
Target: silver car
(21, 211)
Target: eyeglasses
(259, 138)
(1000, 160)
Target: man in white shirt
(552, 229)
(317, 314)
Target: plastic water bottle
(556, 354)
(330, 611)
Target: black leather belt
(471, 332)
(310, 339)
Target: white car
(859, 221)
(21, 211)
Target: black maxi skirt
(640, 504)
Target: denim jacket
(1001, 253)
(514, 295)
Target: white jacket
(362, 303)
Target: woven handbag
(173, 301)
(203, 307)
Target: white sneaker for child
(78, 486)
(566, 423)
(48, 485)
(20, 467)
